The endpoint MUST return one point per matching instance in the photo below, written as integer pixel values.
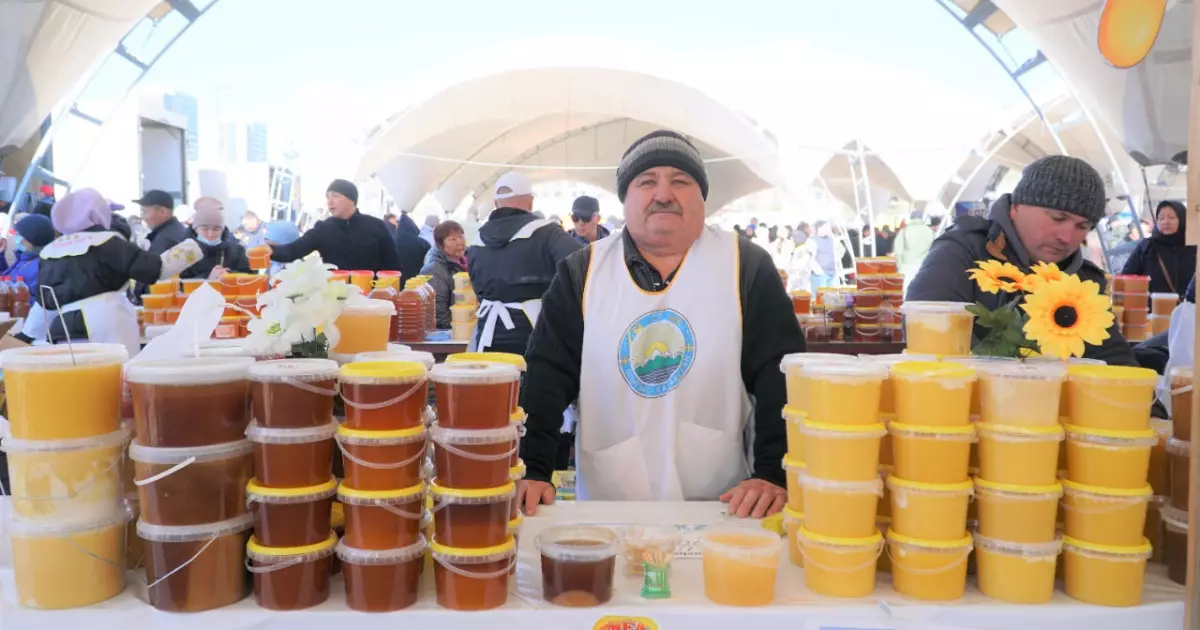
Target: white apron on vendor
(491, 312)
(662, 406)
(109, 317)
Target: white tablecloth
(795, 607)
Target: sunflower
(1066, 314)
(994, 276)
(1042, 272)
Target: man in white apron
(663, 334)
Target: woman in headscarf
(85, 271)
(1165, 257)
(449, 258)
(222, 250)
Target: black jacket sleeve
(559, 245)
(236, 259)
(308, 243)
(1135, 265)
(129, 261)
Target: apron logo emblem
(656, 352)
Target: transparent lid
(1146, 437)
(1181, 448)
(256, 493)
(424, 358)
(304, 370)
(120, 514)
(801, 359)
(193, 533)
(792, 464)
(874, 486)
(933, 370)
(577, 543)
(372, 308)
(1174, 518)
(964, 433)
(847, 369)
(263, 435)
(1120, 374)
(475, 373)
(173, 456)
(1052, 491)
(454, 496)
(792, 517)
(190, 371)
(372, 557)
(1009, 433)
(1028, 550)
(935, 308)
(893, 359)
(1143, 550)
(1180, 371)
(1069, 360)
(353, 496)
(867, 542)
(443, 435)
(360, 437)
(308, 553)
(1044, 371)
(1164, 296)
(961, 488)
(850, 431)
(1072, 488)
(740, 540)
(794, 414)
(62, 357)
(382, 372)
(117, 438)
(966, 542)
(509, 358)
(457, 555)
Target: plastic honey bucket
(1025, 455)
(886, 452)
(795, 472)
(71, 480)
(1108, 458)
(793, 417)
(932, 454)
(792, 522)
(933, 393)
(932, 570)
(1110, 397)
(845, 508)
(1020, 394)
(929, 511)
(938, 328)
(842, 452)
(840, 567)
(1018, 514)
(887, 395)
(1017, 573)
(1105, 575)
(797, 384)
(975, 363)
(1106, 516)
(59, 565)
(843, 393)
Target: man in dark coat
(411, 248)
(348, 239)
(585, 214)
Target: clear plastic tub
(68, 565)
(291, 578)
(382, 519)
(647, 543)
(845, 393)
(795, 472)
(197, 567)
(1181, 378)
(505, 358)
(291, 517)
(190, 402)
(1175, 537)
(382, 460)
(63, 392)
(59, 481)
(364, 327)
(293, 393)
(1110, 397)
(838, 566)
(936, 394)
(939, 328)
(472, 579)
(793, 366)
(932, 454)
(1018, 514)
(792, 522)
(1025, 456)
(930, 570)
(1180, 456)
(842, 452)
(473, 459)
(578, 565)
(793, 417)
(740, 565)
(292, 458)
(1160, 464)
(1105, 516)
(1105, 575)
(192, 486)
(1016, 573)
(1164, 303)
(1111, 459)
(382, 580)
(474, 395)
(1020, 394)
(929, 511)
(471, 519)
(384, 395)
(841, 508)
(887, 395)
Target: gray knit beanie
(1062, 183)
(661, 148)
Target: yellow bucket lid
(966, 541)
(933, 369)
(383, 371)
(253, 487)
(982, 484)
(871, 540)
(843, 428)
(774, 523)
(518, 417)
(485, 493)
(792, 413)
(1136, 550)
(962, 487)
(793, 464)
(402, 493)
(518, 471)
(1111, 373)
(899, 427)
(488, 357)
(792, 515)
(257, 548)
(346, 432)
(1144, 492)
(503, 548)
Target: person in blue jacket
(35, 232)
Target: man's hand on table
(531, 492)
(755, 498)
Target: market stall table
(794, 608)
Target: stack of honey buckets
(473, 495)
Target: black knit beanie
(345, 188)
(661, 148)
(1062, 183)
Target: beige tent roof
(885, 184)
(560, 123)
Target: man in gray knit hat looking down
(670, 337)
(1046, 218)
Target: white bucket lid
(602, 543)
(474, 373)
(173, 456)
(193, 533)
(16, 526)
(293, 369)
(1044, 371)
(800, 359)
(190, 371)
(444, 435)
(374, 557)
(919, 307)
(854, 369)
(117, 438)
(371, 307)
(263, 435)
(63, 357)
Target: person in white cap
(512, 261)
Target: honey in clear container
(474, 395)
(410, 314)
(387, 289)
(303, 583)
(506, 358)
(382, 519)
(192, 486)
(364, 327)
(291, 517)
(471, 519)
(384, 395)
(578, 565)
(196, 568)
(382, 460)
(382, 581)
(190, 402)
(65, 391)
(293, 393)
(477, 579)
(473, 459)
(292, 458)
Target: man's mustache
(669, 207)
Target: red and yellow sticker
(613, 622)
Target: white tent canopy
(560, 123)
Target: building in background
(186, 105)
(243, 143)
(256, 142)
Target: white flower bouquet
(299, 311)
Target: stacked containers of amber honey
(383, 443)
(191, 463)
(64, 447)
(878, 296)
(474, 441)
(291, 494)
(1131, 305)
(1178, 452)
(463, 317)
(1162, 305)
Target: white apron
(662, 406)
(492, 311)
